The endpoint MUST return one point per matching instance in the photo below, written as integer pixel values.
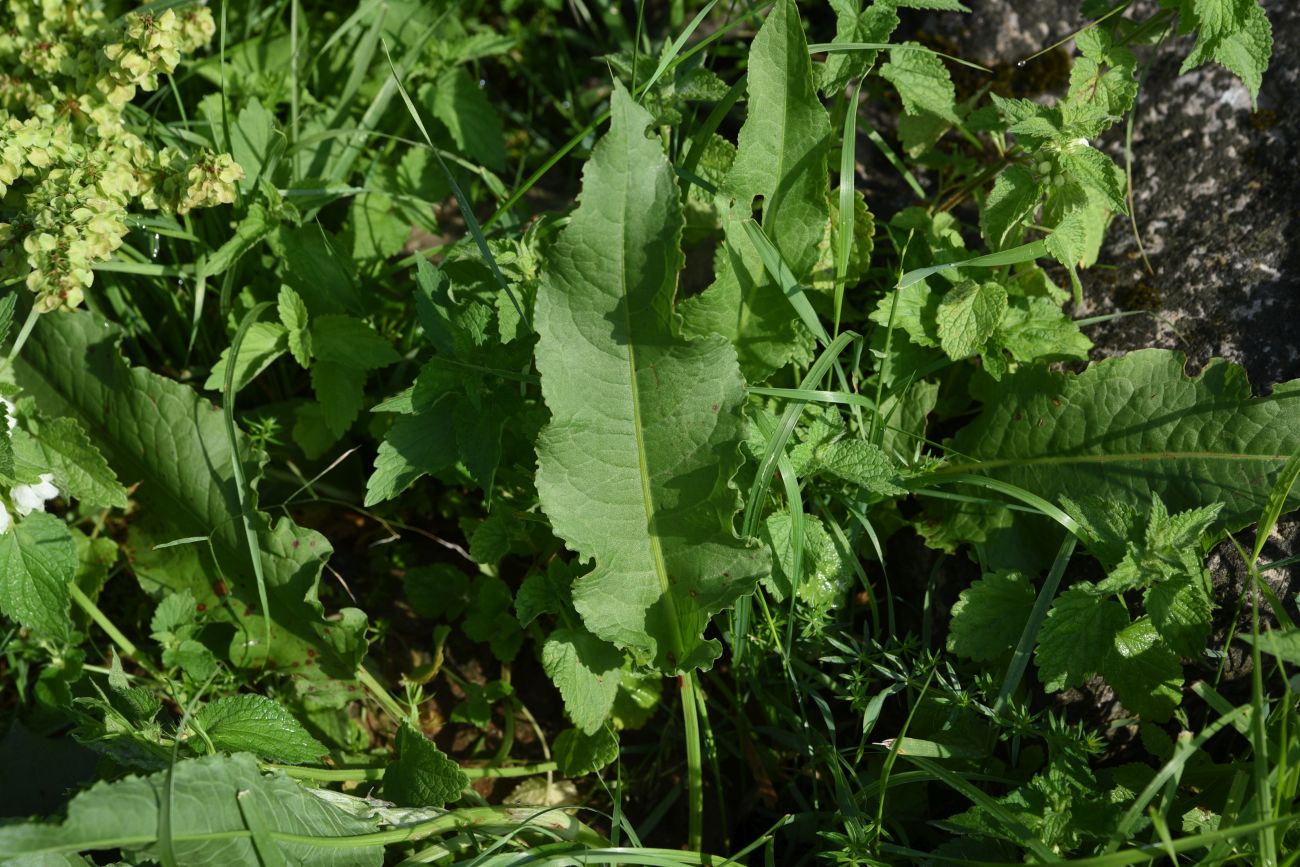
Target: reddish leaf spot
(220, 588)
(715, 407)
(311, 651)
(296, 543)
(200, 607)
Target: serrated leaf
(853, 24)
(162, 435)
(259, 725)
(914, 309)
(208, 823)
(414, 446)
(377, 228)
(861, 463)
(1098, 172)
(79, 469)
(1246, 51)
(922, 80)
(471, 119)
(990, 615)
(644, 422)
(38, 559)
(7, 305)
(1131, 428)
(341, 391)
(544, 592)
(263, 344)
(968, 315)
(1036, 329)
(347, 341)
(587, 671)
(1012, 200)
(577, 754)
(1077, 637)
(253, 140)
(422, 776)
(825, 577)
(174, 617)
(1181, 608)
(1146, 675)
(297, 325)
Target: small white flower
(11, 417)
(5, 520)
(31, 498)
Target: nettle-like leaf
(38, 559)
(781, 157)
(990, 615)
(223, 809)
(875, 23)
(1132, 428)
(163, 436)
(259, 725)
(423, 775)
(634, 469)
(1234, 33)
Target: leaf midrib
(647, 493)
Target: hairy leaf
(634, 468)
(990, 615)
(422, 776)
(163, 436)
(1128, 429)
(259, 725)
(38, 559)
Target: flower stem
(23, 334)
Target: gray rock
(1216, 191)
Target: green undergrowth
(499, 434)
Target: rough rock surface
(1216, 190)
(1217, 204)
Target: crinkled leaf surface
(38, 559)
(422, 776)
(63, 449)
(212, 800)
(259, 725)
(163, 436)
(990, 615)
(635, 466)
(1131, 428)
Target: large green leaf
(224, 811)
(38, 560)
(164, 437)
(634, 469)
(781, 158)
(1131, 428)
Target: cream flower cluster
(69, 168)
(25, 498)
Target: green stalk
(694, 763)
(381, 695)
(361, 775)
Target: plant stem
(124, 644)
(694, 764)
(360, 775)
(381, 695)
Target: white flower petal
(45, 488)
(5, 520)
(26, 500)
